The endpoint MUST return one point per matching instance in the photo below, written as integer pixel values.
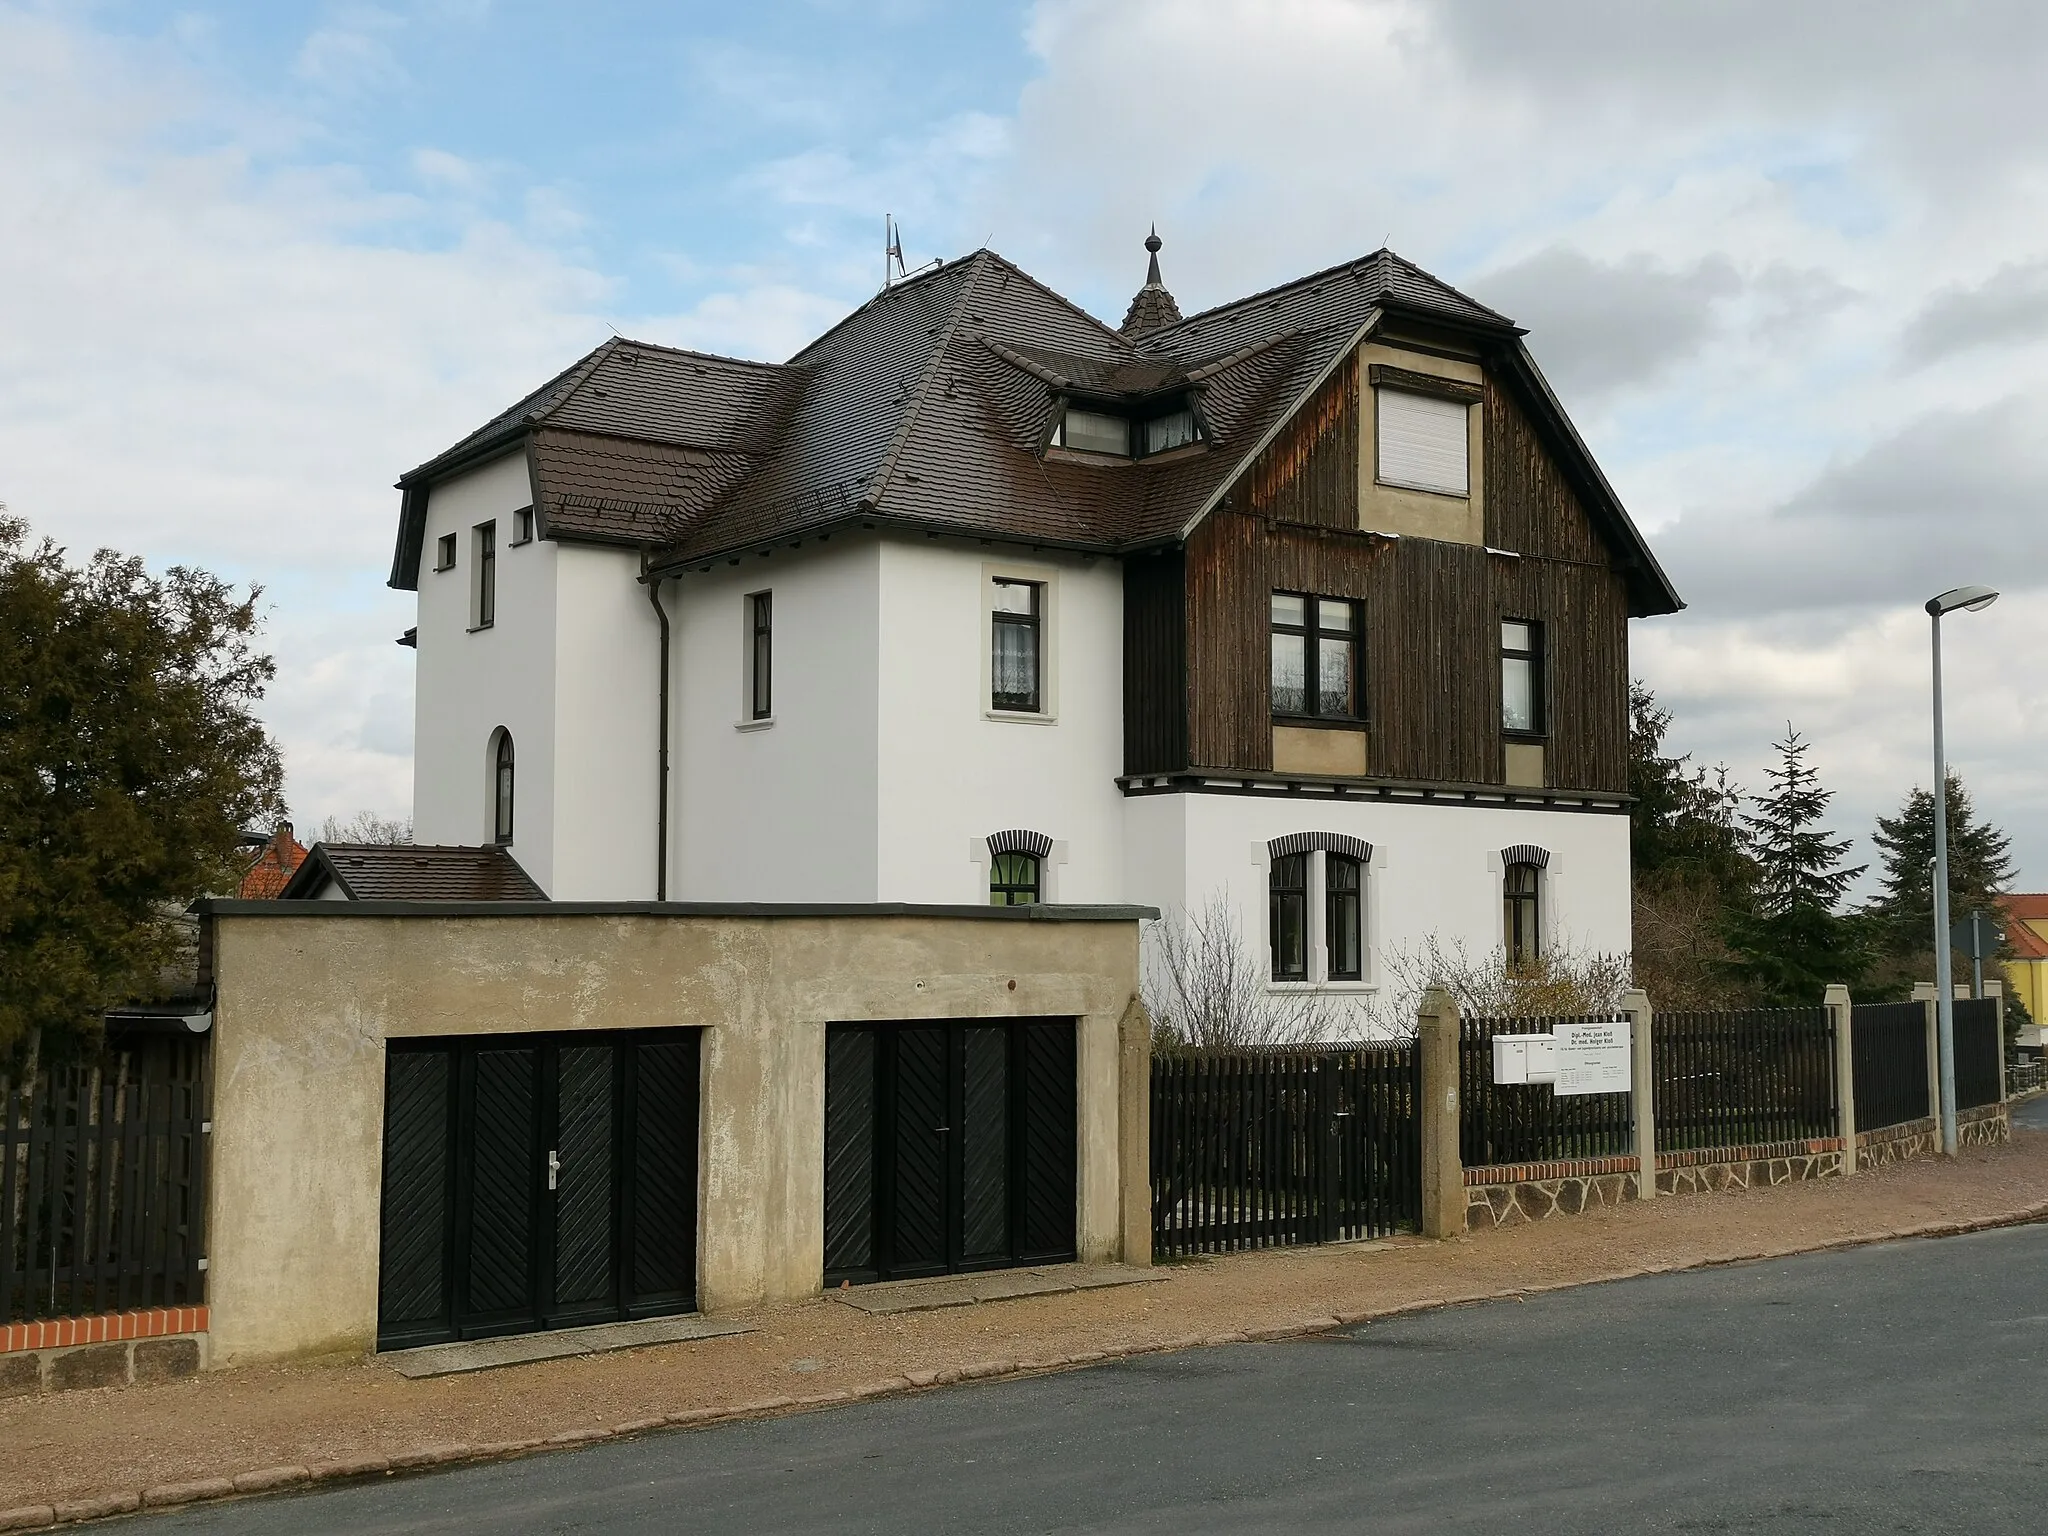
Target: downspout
(661, 729)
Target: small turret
(1153, 308)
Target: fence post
(1134, 1126)
(1443, 1176)
(1994, 989)
(1635, 1003)
(1842, 1016)
(1925, 995)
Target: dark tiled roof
(931, 404)
(411, 872)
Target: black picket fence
(103, 1183)
(1258, 1148)
(1978, 1050)
(1739, 1078)
(1531, 1122)
(1889, 1044)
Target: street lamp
(1969, 600)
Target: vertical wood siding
(1431, 664)
(1310, 474)
(1155, 663)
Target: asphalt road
(1894, 1388)
(2032, 1113)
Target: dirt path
(112, 1442)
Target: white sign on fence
(1573, 1059)
(1593, 1058)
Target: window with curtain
(501, 787)
(761, 655)
(1094, 432)
(1287, 920)
(1521, 929)
(1016, 646)
(1176, 429)
(1521, 677)
(1013, 880)
(1344, 913)
(1315, 656)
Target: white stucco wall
(469, 684)
(786, 810)
(950, 772)
(607, 691)
(1436, 872)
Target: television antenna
(893, 269)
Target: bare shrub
(1565, 981)
(367, 827)
(1206, 987)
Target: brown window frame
(1539, 696)
(1313, 634)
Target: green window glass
(1013, 880)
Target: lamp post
(1969, 600)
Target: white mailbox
(1577, 1058)
(1524, 1058)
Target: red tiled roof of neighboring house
(2026, 943)
(2025, 905)
(274, 867)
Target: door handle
(554, 1168)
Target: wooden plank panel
(1155, 663)
(1310, 473)
(1529, 506)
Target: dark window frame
(1016, 878)
(522, 527)
(1313, 634)
(1079, 408)
(1287, 917)
(1343, 918)
(485, 538)
(761, 655)
(444, 552)
(1032, 624)
(1522, 913)
(1539, 694)
(504, 782)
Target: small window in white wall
(444, 552)
(501, 786)
(522, 526)
(760, 655)
(1422, 442)
(1017, 646)
(483, 607)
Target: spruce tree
(1790, 939)
(1902, 914)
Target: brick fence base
(114, 1350)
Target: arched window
(1013, 879)
(1521, 915)
(501, 785)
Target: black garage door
(949, 1146)
(537, 1181)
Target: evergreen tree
(1789, 939)
(130, 760)
(1683, 822)
(1902, 914)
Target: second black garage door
(949, 1146)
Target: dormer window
(1176, 429)
(1094, 432)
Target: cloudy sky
(1786, 265)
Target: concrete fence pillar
(1925, 994)
(1635, 1005)
(1443, 1174)
(1995, 990)
(1840, 1017)
(1134, 1131)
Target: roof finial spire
(1154, 306)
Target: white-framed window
(1423, 442)
(1020, 613)
(483, 586)
(1316, 913)
(760, 657)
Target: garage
(949, 1146)
(537, 1181)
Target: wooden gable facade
(1197, 617)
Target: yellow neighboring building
(2026, 927)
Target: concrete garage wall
(308, 992)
